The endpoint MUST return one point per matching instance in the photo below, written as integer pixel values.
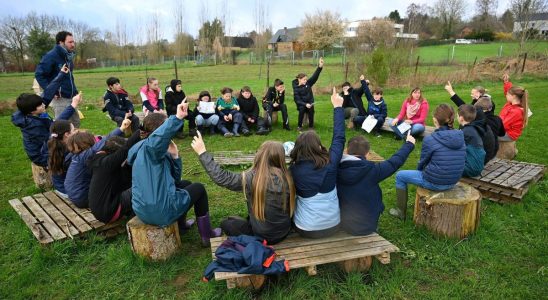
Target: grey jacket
(277, 223)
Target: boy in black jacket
(353, 104)
(304, 98)
(274, 101)
(174, 96)
(118, 105)
(360, 196)
(249, 108)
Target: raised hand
(505, 77)
(410, 138)
(76, 100)
(182, 110)
(449, 88)
(125, 124)
(362, 77)
(320, 62)
(336, 99)
(198, 144)
(173, 150)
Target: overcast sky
(239, 15)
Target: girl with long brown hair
(268, 188)
(58, 155)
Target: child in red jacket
(514, 114)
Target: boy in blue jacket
(441, 163)
(473, 132)
(159, 196)
(376, 106)
(360, 196)
(118, 105)
(34, 121)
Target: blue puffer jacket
(442, 156)
(79, 175)
(475, 152)
(51, 65)
(35, 129)
(155, 199)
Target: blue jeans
(415, 177)
(416, 129)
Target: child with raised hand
(441, 163)
(488, 138)
(353, 104)
(473, 132)
(358, 189)
(268, 189)
(376, 107)
(83, 145)
(414, 111)
(118, 105)
(304, 98)
(159, 197)
(249, 108)
(151, 94)
(31, 117)
(204, 118)
(228, 110)
(314, 170)
(514, 113)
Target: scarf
(412, 109)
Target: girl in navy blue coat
(314, 171)
(304, 98)
(441, 163)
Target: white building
(351, 30)
(537, 21)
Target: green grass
(467, 53)
(505, 259)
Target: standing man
(50, 65)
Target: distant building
(286, 40)
(237, 43)
(537, 21)
(351, 30)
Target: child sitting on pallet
(314, 171)
(473, 132)
(159, 196)
(441, 163)
(414, 111)
(228, 110)
(59, 157)
(268, 189)
(118, 105)
(35, 123)
(376, 107)
(358, 189)
(83, 145)
(515, 112)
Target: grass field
(505, 259)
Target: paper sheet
(403, 127)
(369, 123)
(206, 107)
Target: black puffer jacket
(303, 93)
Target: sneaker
(229, 135)
(246, 132)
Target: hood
(353, 169)
(18, 119)
(173, 84)
(132, 153)
(479, 125)
(311, 178)
(452, 139)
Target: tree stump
(454, 213)
(507, 150)
(153, 242)
(252, 281)
(41, 177)
(361, 264)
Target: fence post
(500, 51)
(453, 54)
(267, 72)
(524, 59)
(346, 73)
(417, 65)
(175, 66)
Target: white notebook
(369, 123)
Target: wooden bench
(51, 217)
(234, 158)
(427, 131)
(309, 253)
(506, 181)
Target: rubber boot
(204, 228)
(184, 224)
(235, 129)
(400, 211)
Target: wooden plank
(32, 223)
(42, 216)
(59, 219)
(74, 218)
(84, 213)
(297, 253)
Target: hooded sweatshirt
(475, 153)
(443, 156)
(173, 98)
(360, 196)
(354, 99)
(249, 108)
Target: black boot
(262, 131)
(184, 224)
(400, 211)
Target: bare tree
(153, 36)
(84, 36)
(322, 29)
(121, 36)
(524, 10)
(417, 17)
(262, 33)
(13, 35)
(376, 33)
(487, 7)
(449, 13)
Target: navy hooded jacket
(246, 255)
(442, 156)
(302, 94)
(360, 196)
(117, 104)
(51, 65)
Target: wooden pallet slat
(84, 213)
(233, 158)
(32, 223)
(52, 228)
(65, 225)
(68, 212)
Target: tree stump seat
(507, 150)
(153, 242)
(41, 177)
(454, 213)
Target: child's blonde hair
(269, 163)
(523, 98)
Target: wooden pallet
(309, 253)
(506, 181)
(427, 131)
(233, 158)
(51, 217)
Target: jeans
(416, 129)
(211, 121)
(415, 177)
